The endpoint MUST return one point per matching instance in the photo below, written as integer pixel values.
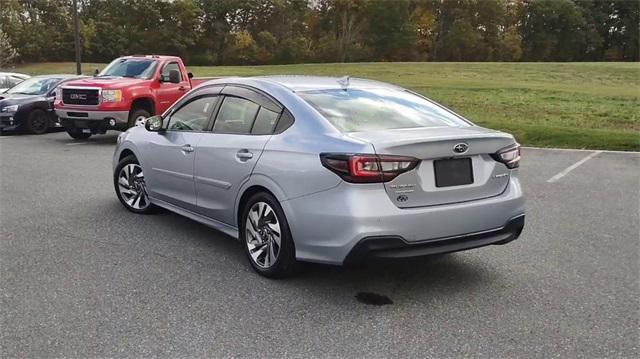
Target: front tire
(37, 122)
(266, 238)
(128, 181)
(137, 117)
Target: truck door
(169, 92)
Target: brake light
(366, 168)
(510, 156)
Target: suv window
(236, 116)
(193, 116)
(168, 67)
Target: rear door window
(265, 122)
(236, 116)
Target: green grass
(570, 105)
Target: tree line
(220, 32)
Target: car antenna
(344, 82)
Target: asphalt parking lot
(83, 277)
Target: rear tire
(37, 122)
(128, 181)
(78, 135)
(138, 116)
(260, 234)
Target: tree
(553, 30)
(210, 32)
(389, 32)
(7, 53)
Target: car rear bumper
(390, 247)
(329, 225)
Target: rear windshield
(356, 110)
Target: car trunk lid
(443, 175)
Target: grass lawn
(570, 105)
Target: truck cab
(125, 93)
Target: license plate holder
(453, 172)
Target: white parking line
(572, 167)
(579, 150)
(76, 143)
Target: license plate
(86, 130)
(453, 172)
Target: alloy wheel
(263, 235)
(132, 187)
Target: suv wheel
(128, 180)
(266, 237)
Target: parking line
(572, 167)
(579, 150)
(76, 143)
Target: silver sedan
(328, 170)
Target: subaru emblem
(460, 148)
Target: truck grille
(80, 96)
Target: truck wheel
(137, 117)
(78, 135)
(37, 122)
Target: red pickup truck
(124, 94)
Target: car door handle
(182, 88)
(244, 155)
(187, 148)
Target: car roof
(298, 83)
(14, 74)
(157, 57)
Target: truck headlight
(12, 108)
(111, 95)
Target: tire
(78, 135)
(261, 246)
(136, 116)
(128, 182)
(37, 122)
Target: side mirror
(174, 76)
(190, 75)
(153, 124)
(96, 72)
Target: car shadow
(395, 280)
(101, 140)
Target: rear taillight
(365, 168)
(510, 156)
